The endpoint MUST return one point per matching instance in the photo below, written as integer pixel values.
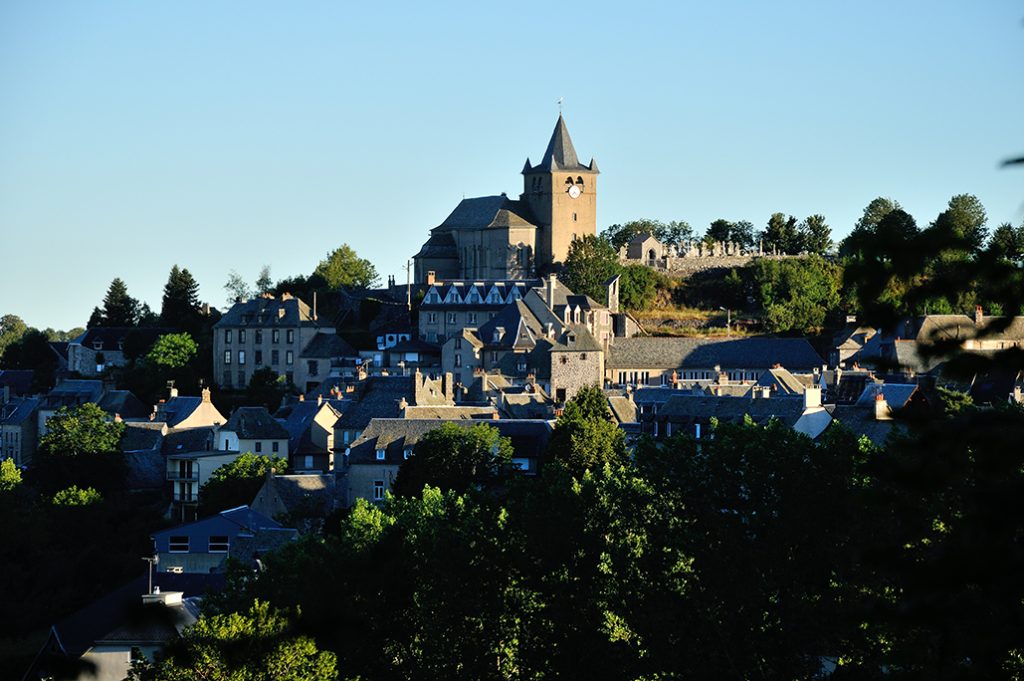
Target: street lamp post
(728, 320)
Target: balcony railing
(178, 475)
(186, 498)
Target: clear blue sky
(228, 135)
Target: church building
(497, 238)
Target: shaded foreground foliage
(757, 553)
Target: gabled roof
(701, 408)
(77, 632)
(704, 353)
(304, 495)
(642, 237)
(73, 392)
(123, 403)
(897, 395)
(268, 312)
(142, 436)
(18, 410)
(242, 518)
(327, 345)
(18, 380)
(297, 419)
(529, 437)
(782, 381)
(114, 337)
(379, 399)
(255, 423)
(483, 212)
(183, 440)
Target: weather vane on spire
(560, 100)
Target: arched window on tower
(568, 180)
(579, 180)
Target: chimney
(163, 597)
(314, 306)
(979, 315)
(431, 276)
(319, 400)
(812, 397)
(549, 289)
(206, 394)
(882, 411)
(173, 392)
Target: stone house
(693, 414)
(270, 332)
(18, 429)
(387, 397)
(448, 307)
(644, 361)
(302, 501)
(310, 426)
(102, 347)
(373, 460)
(253, 429)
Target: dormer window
(97, 345)
(407, 453)
(380, 455)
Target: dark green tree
(236, 483)
(456, 458)
(815, 235)
(266, 388)
(591, 262)
(264, 284)
(782, 234)
(32, 351)
(963, 222)
(180, 308)
(172, 351)
(585, 436)
(1008, 241)
(12, 328)
(119, 308)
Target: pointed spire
(593, 165)
(527, 167)
(560, 148)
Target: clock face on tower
(574, 191)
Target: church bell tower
(562, 193)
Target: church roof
(488, 211)
(560, 154)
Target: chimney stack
(812, 397)
(979, 315)
(882, 411)
(431, 277)
(550, 285)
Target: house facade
(253, 429)
(269, 332)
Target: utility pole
(728, 321)
(152, 561)
(408, 285)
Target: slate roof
(683, 353)
(488, 211)
(529, 438)
(623, 409)
(247, 548)
(560, 153)
(18, 410)
(268, 313)
(60, 348)
(782, 381)
(439, 245)
(255, 423)
(379, 399)
(124, 403)
(147, 470)
(306, 495)
(863, 422)
(297, 419)
(115, 337)
(242, 517)
(77, 632)
(577, 338)
(72, 393)
(994, 386)
(18, 380)
(142, 436)
(701, 408)
(527, 406)
(897, 395)
(450, 412)
(177, 409)
(640, 238)
(180, 441)
(327, 345)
